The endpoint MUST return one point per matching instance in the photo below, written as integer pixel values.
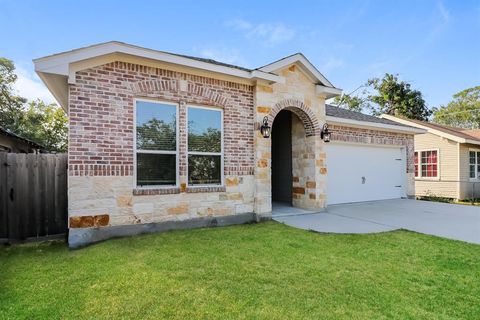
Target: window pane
(156, 126)
(204, 130)
(424, 170)
(204, 169)
(472, 171)
(156, 169)
(472, 157)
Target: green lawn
(259, 271)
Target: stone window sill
(206, 189)
(155, 191)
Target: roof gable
(304, 63)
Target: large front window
(426, 164)
(474, 164)
(204, 146)
(156, 143)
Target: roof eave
(431, 130)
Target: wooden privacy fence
(33, 196)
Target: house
(447, 160)
(11, 142)
(160, 141)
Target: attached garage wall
(364, 172)
(379, 138)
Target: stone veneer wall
(380, 137)
(298, 95)
(101, 173)
(305, 192)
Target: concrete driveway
(452, 221)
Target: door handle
(364, 180)
(11, 194)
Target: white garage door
(364, 173)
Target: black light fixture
(265, 128)
(325, 133)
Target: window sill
(201, 189)
(155, 191)
(427, 179)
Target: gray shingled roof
(353, 115)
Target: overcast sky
(434, 45)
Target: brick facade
(101, 116)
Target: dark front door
(282, 157)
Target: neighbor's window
(426, 164)
(475, 164)
(416, 164)
(156, 143)
(204, 146)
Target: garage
(359, 172)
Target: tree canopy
(463, 111)
(46, 124)
(387, 95)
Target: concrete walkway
(452, 221)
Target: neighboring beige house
(447, 160)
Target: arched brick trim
(151, 86)
(192, 89)
(205, 92)
(306, 115)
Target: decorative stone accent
(89, 221)
(180, 209)
(101, 220)
(262, 163)
(298, 190)
(262, 109)
(231, 182)
(124, 201)
(323, 170)
(311, 184)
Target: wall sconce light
(325, 134)
(265, 128)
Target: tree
(396, 98)
(463, 111)
(351, 102)
(387, 95)
(10, 104)
(46, 124)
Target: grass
(260, 271)
(469, 202)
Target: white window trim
(221, 153)
(135, 151)
(420, 165)
(477, 172)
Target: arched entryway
(294, 140)
(282, 158)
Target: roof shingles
(358, 116)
